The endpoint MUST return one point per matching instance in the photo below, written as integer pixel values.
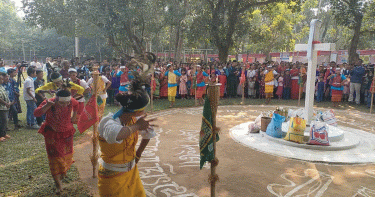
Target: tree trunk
(353, 56)
(223, 53)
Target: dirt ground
(170, 164)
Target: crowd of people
(171, 80)
(69, 82)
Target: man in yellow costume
(58, 83)
(118, 135)
(269, 82)
(172, 83)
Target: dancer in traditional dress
(58, 83)
(172, 83)
(294, 73)
(124, 79)
(118, 136)
(201, 85)
(337, 81)
(269, 83)
(58, 133)
(82, 83)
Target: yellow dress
(101, 107)
(52, 86)
(172, 89)
(113, 183)
(268, 88)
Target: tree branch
(256, 4)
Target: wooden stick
(213, 95)
(94, 157)
(243, 88)
(299, 87)
(372, 91)
(372, 102)
(152, 91)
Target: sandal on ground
(2, 139)
(7, 136)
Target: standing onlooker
(29, 96)
(183, 80)
(40, 97)
(287, 82)
(356, 76)
(172, 83)
(280, 86)
(36, 64)
(65, 67)
(49, 68)
(337, 88)
(4, 107)
(319, 88)
(14, 94)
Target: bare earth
(170, 164)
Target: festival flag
(206, 134)
(372, 88)
(89, 115)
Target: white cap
(198, 65)
(122, 67)
(269, 66)
(72, 70)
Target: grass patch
(24, 168)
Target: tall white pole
(77, 46)
(312, 56)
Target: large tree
(350, 13)
(125, 23)
(224, 18)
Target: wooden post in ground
(372, 91)
(95, 134)
(153, 82)
(243, 85)
(213, 96)
(195, 81)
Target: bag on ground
(319, 134)
(296, 130)
(274, 128)
(329, 118)
(255, 126)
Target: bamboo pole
(372, 91)
(195, 80)
(152, 91)
(299, 87)
(243, 87)
(94, 156)
(213, 96)
(372, 102)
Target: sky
(18, 4)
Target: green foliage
(273, 28)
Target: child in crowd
(337, 81)
(261, 87)
(345, 93)
(280, 86)
(222, 78)
(251, 87)
(29, 96)
(81, 82)
(319, 88)
(40, 97)
(183, 80)
(287, 83)
(4, 107)
(14, 93)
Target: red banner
(89, 115)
